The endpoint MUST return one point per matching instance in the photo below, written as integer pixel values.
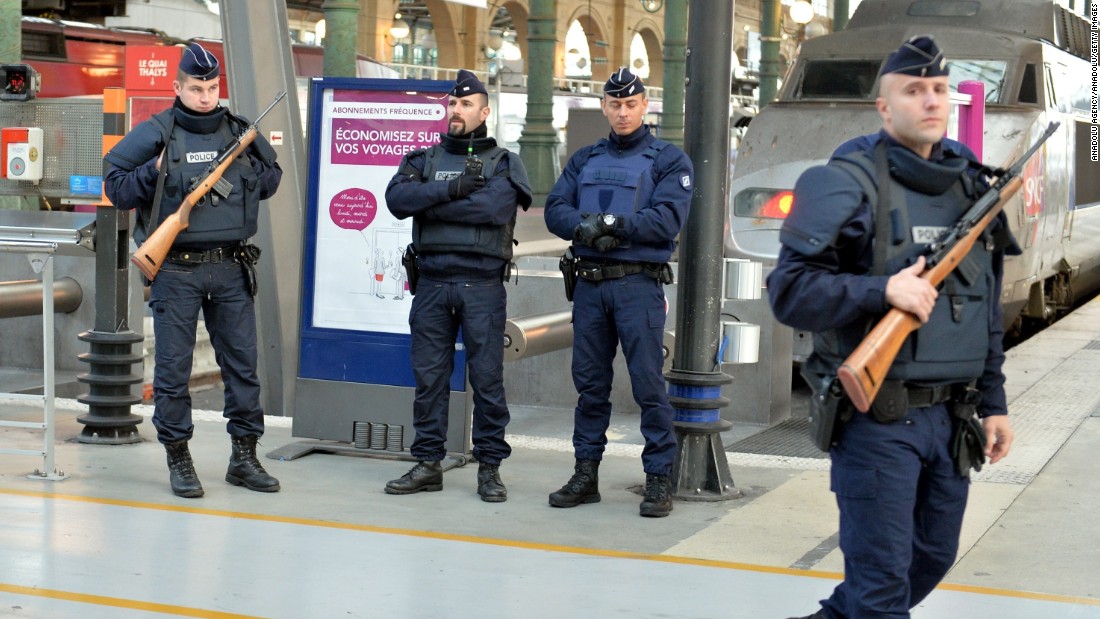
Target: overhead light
(802, 12)
(652, 6)
(399, 29)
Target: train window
(838, 79)
(1029, 85)
(989, 72)
(940, 8)
(43, 44)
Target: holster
(568, 267)
(967, 434)
(248, 256)
(412, 269)
(829, 407)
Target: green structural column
(840, 15)
(538, 142)
(11, 51)
(11, 33)
(675, 59)
(769, 51)
(341, 33)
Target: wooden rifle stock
(150, 256)
(864, 371)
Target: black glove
(587, 231)
(606, 243)
(462, 186)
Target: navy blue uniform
(201, 272)
(650, 193)
(459, 289)
(900, 494)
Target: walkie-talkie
(474, 164)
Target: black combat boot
(245, 469)
(658, 496)
(489, 486)
(818, 615)
(582, 487)
(425, 476)
(181, 471)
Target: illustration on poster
(353, 209)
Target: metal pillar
(109, 377)
(538, 142)
(769, 50)
(261, 66)
(341, 34)
(675, 58)
(700, 471)
(840, 15)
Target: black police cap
(919, 57)
(467, 84)
(199, 63)
(623, 83)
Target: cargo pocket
(853, 482)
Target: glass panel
(990, 72)
(838, 79)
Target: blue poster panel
(355, 296)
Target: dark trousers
(901, 508)
(629, 311)
(438, 310)
(176, 296)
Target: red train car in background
(78, 59)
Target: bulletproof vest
(619, 185)
(448, 236)
(213, 219)
(953, 344)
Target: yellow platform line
(491, 541)
(102, 600)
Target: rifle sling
(162, 173)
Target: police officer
(900, 491)
(462, 195)
(151, 170)
(622, 201)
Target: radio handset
(474, 164)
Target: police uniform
(203, 270)
(463, 237)
(635, 191)
(858, 220)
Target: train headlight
(763, 203)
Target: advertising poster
(359, 281)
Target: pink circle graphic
(353, 209)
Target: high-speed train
(1031, 56)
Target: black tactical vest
(448, 236)
(953, 344)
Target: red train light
(778, 206)
(760, 203)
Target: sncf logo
(201, 157)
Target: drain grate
(790, 438)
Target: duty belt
(597, 271)
(920, 397)
(213, 256)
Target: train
(81, 59)
(1032, 57)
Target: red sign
(151, 68)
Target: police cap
(623, 83)
(919, 57)
(199, 63)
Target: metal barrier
(24, 298)
(537, 334)
(41, 236)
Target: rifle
(864, 371)
(150, 256)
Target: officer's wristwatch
(609, 219)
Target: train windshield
(989, 72)
(855, 79)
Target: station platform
(111, 541)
